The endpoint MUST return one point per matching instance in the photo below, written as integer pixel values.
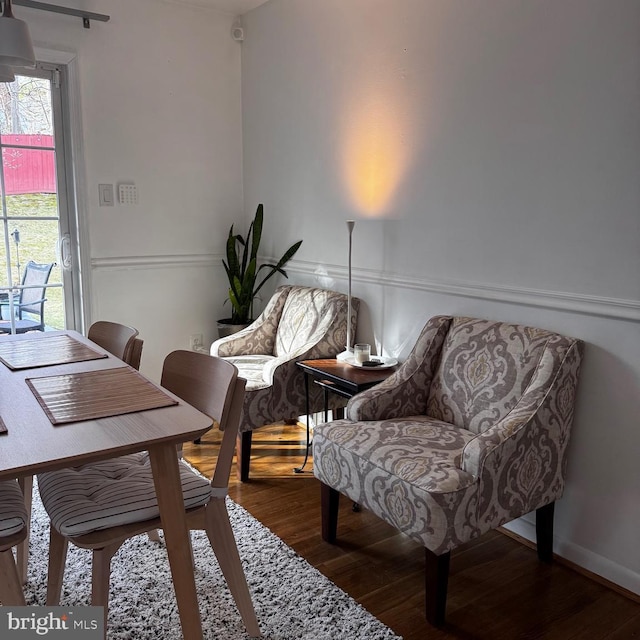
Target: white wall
(159, 92)
(490, 153)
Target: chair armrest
(286, 364)
(260, 336)
(29, 304)
(256, 339)
(406, 391)
(536, 430)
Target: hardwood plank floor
(497, 588)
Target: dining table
(65, 401)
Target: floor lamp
(348, 352)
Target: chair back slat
(133, 356)
(114, 337)
(203, 381)
(32, 300)
(212, 386)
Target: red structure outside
(31, 170)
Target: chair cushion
(251, 368)
(13, 513)
(111, 493)
(404, 470)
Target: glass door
(37, 227)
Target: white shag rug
(293, 600)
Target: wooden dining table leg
(166, 477)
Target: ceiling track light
(16, 49)
(86, 16)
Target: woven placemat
(90, 395)
(44, 351)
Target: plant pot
(227, 328)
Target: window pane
(35, 240)
(31, 173)
(25, 108)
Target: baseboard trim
(524, 532)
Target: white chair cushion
(251, 368)
(110, 493)
(13, 514)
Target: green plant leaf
(257, 231)
(242, 270)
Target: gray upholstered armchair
(469, 433)
(299, 323)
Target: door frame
(75, 187)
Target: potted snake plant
(246, 277)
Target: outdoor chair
(29, 309)
(99, 506)
(469, 433)
(298, 323)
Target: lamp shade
(16, 48)
(6, 74)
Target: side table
(340, 378)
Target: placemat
(90, 395)
(45, 351)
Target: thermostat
(128, 194)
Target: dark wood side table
(339, 378)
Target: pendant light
(16, 49)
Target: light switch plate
(128, 194)
(105, 195)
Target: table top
(33, 444)
(353, 379)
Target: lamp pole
(349, 350)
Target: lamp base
(347, 353)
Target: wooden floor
(497, 588)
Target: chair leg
(436, 581)
(22, 551)
(58, 545)
(100, 578)
(11, 593)
(243, 454)
(329, 503)
(153, 535)
(544, 532)
(224, 546)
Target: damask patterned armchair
(299, 323)
(469, 433)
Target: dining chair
(14, 521)
(80, 500)
(118, 339)
(122, 342)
